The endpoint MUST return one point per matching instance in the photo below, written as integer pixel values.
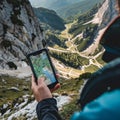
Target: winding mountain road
(68, 72)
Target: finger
(57, 75)
(55, 88)
(41, 80)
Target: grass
(9, 95)
(99, 59)
(91, 68)
(70, 59)
(81, 46)
(69, 109)
(74, 86)
(65, 33)
(71, 87)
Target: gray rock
(20, 32)
(14, 89)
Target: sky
(38, 3)
(50, 3)
(34, 2)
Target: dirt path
(65, 71)
(72, 48)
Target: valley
(69, 72)
(73, 46)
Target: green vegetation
(50, 18)
(80, 26)
(88, 35)
(13, 96)
(75, 85)
(69, 109)
(7, 94)
(54, 22)
(77, 29)
(53, 39)
(85, 75)
(73, 11)
(83, 44)
(70, 59)
(99, 59)
(87, 16)
(99, 49)
(91, 68)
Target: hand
(40, 90)
(56, 86)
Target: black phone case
(32, 68)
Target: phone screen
(42, 67)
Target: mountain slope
(104, 15)
(50, 18)
(77, 8)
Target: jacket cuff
(46, 102)
(45, 107)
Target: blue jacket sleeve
(47, 110)
(106, 107)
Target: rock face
(107, 12)
(20, 32)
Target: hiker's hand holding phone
(40, 90)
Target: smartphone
(41, 66)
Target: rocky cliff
(20, 32)
(106, 13)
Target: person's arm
(47, 105)
(47, 110)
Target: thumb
(55, 88)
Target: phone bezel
(32, 68)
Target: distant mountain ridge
(53, 4)
(67, 8)
(50, 18)
(76, 8)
